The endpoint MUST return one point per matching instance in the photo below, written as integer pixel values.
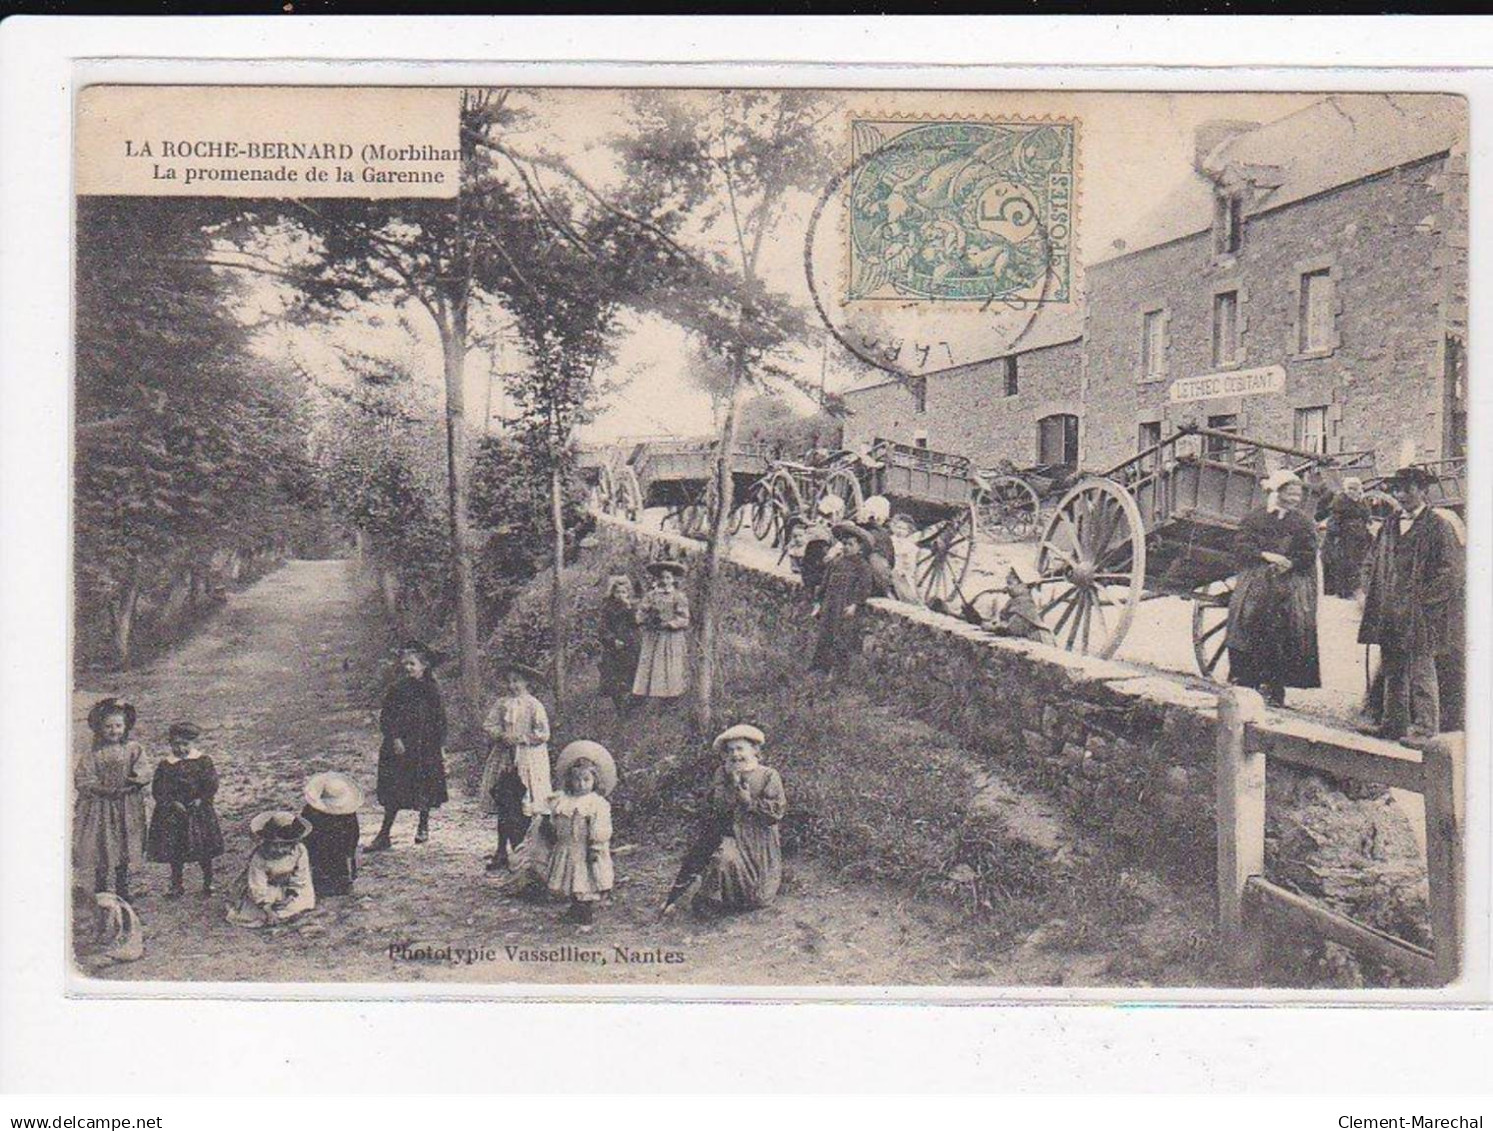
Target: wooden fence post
(1239, 778)
(1444, 766)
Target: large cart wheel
(1008, 503)
(626, 495)
(944, 552)
(1210, 630)
(843, 485)
(1092, 558)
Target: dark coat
(1414, 599)
(617, 637)
(412, 713)
(332, 845)
(882, 559)
(1346, 545)
(848, 583)
(1272, 628)
(185, 825)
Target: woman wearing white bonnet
(1272, 626)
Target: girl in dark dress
(185, 825)
(1272, 626)
(618, 637)
(847, 586)
(411, 761)
(332, 803)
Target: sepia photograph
(776, 537)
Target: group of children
(294, 858)
(550, 842)
(558, 842)
(644, 641)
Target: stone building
(1023, 406)
(1306, 288)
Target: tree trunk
(557, 586)
(388, 588)
(453, 347)
(124, 616)
(716, 548)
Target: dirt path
(285, 682)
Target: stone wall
(1390, 242)
(1126, 751)
(967, 410)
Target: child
(815, 542)
(743, 868)
(332, 803)
(516, 779)
(1019, 616)
(571, 854)
(184, 826)
(617, 636)
(109, 814)
(275, 885)
(663, 615)
(904, 569)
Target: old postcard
(982, 540)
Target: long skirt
(663, 664)
(1272, 630)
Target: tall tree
(731, 161)
(423, 254)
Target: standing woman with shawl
(411, 761)
(1272, 626)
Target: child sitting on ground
(1019, 616)
(275, 885)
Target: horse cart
(1163, 524)
(679, 476)
(1011, 498)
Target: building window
(920, 395)
(1226, 328)
(1012, 382)
(1315, 312)
(1216, 446)
(1228, 224)
(1153, 345)
(1311, 429)
(1149, 435)
(1057, 439)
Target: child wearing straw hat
(275, 885)
(332, 803)
(184, 827)
(569, 849)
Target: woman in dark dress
(332, 803)
(1348, 539)
(411, 761)
(847, 586)
(1272, 626)
(184, 828)
(618, 638)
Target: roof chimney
(1210, 135)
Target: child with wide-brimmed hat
(331, 810)
(516, 778)
(569, 849)
(276, 884)
(109, 814)
(184, 827)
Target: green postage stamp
(961, 211)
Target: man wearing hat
(847, 585)
(1413, 607)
